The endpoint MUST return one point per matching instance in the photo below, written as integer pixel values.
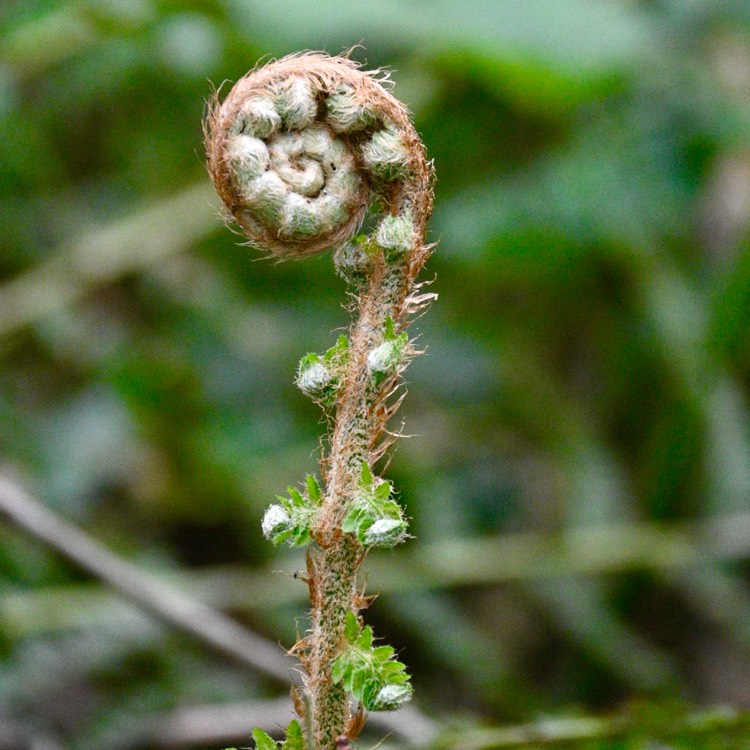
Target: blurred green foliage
(588, 359)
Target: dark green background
(588, 361)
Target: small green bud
(386, 155)
(275, 521)
(396, 233)
(385, 532)
(315, 377)
(291, 519)
(386, 358)
(389, 697)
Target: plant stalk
(357, 430)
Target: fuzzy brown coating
(326, 77)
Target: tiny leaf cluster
(319, 376)
(374, 517)
(371, 673)
(385, 359)
(291, 519)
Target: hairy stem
(356, 432)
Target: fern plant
(299, 151)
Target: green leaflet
(295, 740)
(373, 516)
(372, 674)
(291, 519)
(263, 741)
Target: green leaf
(297, 498)
(340, 350)
(365, 639)
(351, 521)
(351, 627)
(263, 741)
(398, 678)
(358, 679)
(392, 509)
(364, 522)
(366, 478)
(294, 738)
(383, 653)
(383, 491)
(281, 537)
(390, 328)
(369, 690)
(390, 668)
(340, 667)
(313, 488)
(301, 536)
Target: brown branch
(148, 592)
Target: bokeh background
(579, 475)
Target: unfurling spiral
(299, 147)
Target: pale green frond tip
(386, 155)
(296, 103)
(258, 117)
(347, 113)
(249, 157)
(275, 521)
(290, 520)
(369, 508)
(319, 376)
(385, 359)
(385, 532)
(315, 378)
(396, 233)
(390, 697)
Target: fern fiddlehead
(298, 152)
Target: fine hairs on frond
(300, 146)
(299, 150)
